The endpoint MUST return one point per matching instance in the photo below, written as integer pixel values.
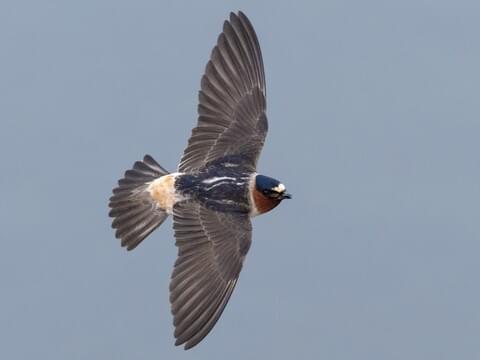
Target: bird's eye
(270, 193)
(274, 194)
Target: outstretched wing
(211, 250)
(232, 103)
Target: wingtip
(241, 14)
(237, 15)
(130, 247)
(225, 25)
(188, 346)
(178, 342)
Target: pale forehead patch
(279, 188)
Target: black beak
(286, 196)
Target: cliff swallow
(214, 192)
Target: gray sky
(374, 127)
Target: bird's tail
(135, 213)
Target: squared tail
(135, 213)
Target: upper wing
(232, 104)
(211, 250)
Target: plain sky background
(374, 127)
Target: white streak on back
(215, 179)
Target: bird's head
(268, 193)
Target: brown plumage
(264, 203)
(216, 189)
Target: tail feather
(135, 213)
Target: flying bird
(215, 190)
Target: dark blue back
(222, 185)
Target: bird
(215, 190)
